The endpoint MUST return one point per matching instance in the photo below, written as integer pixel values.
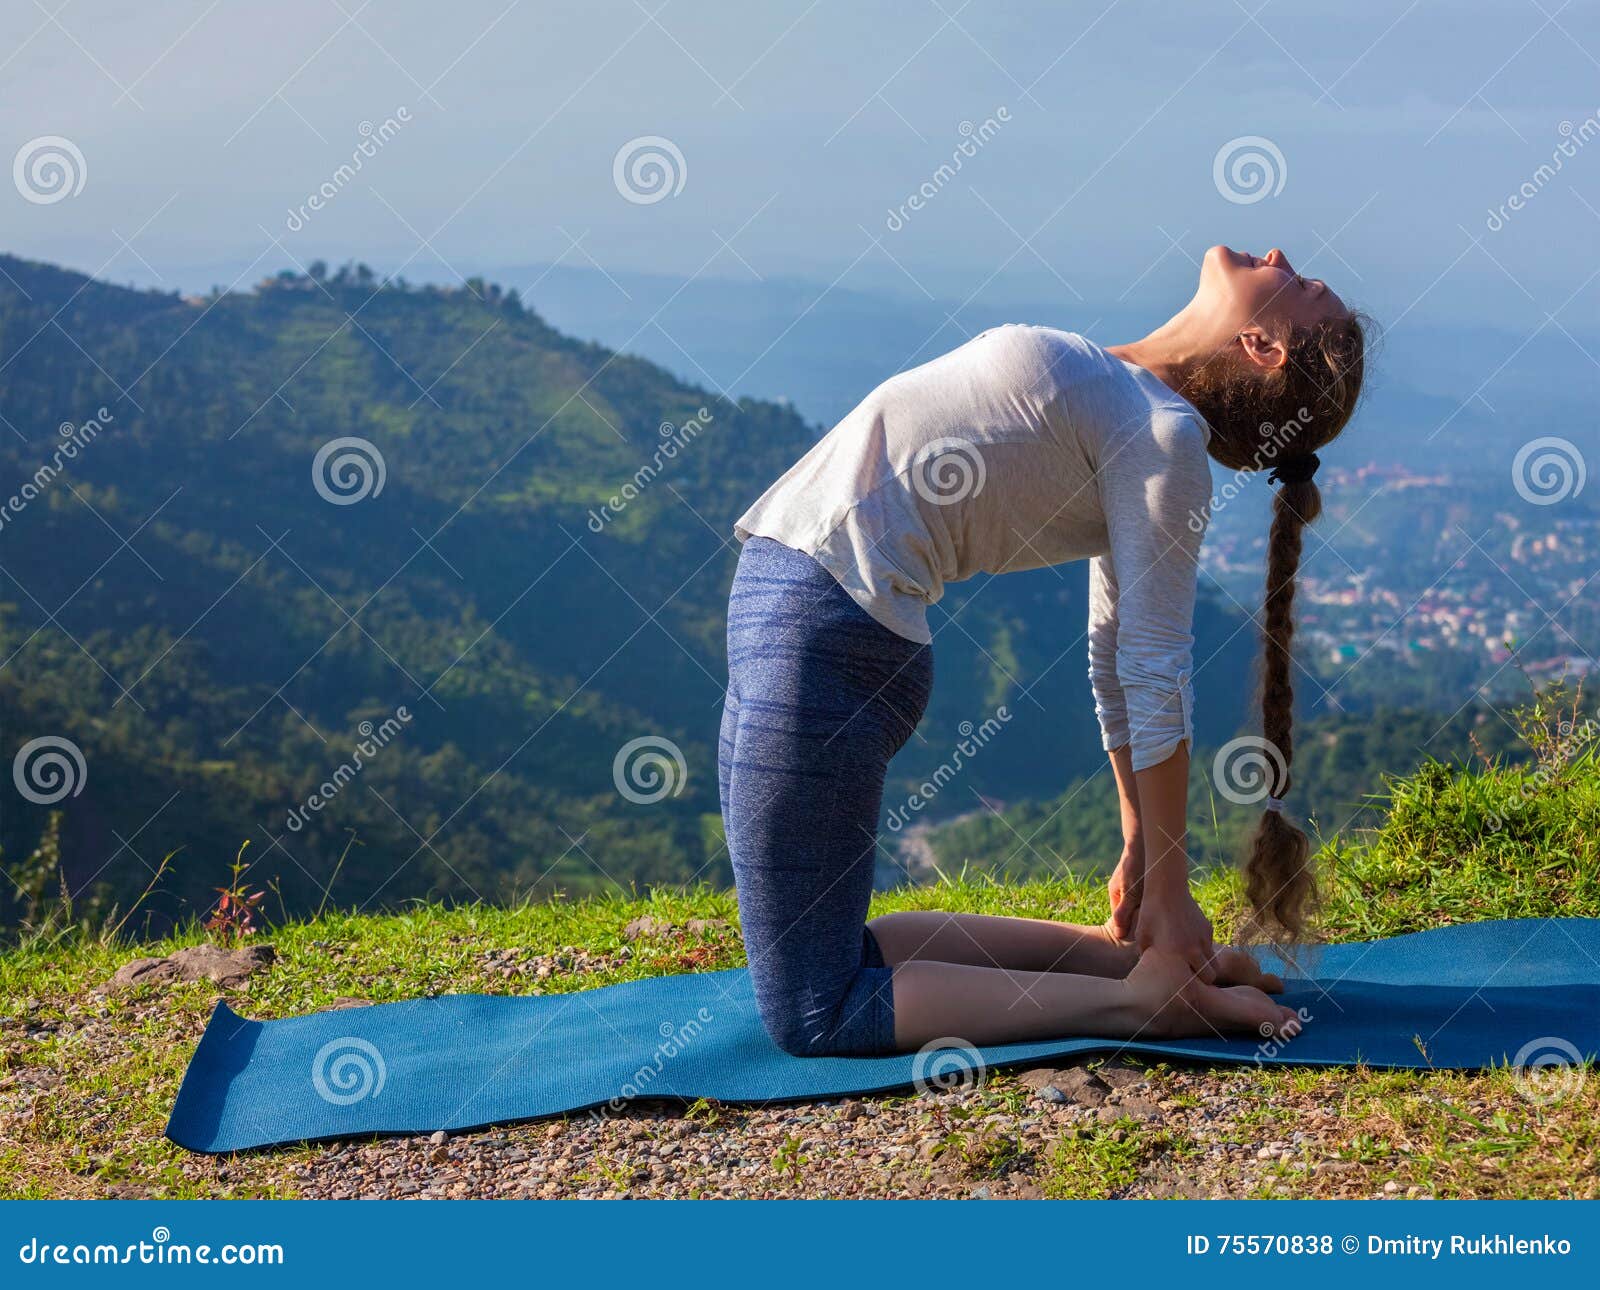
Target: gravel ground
(1019, 1136)
(86, 1082)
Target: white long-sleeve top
(1025, 447)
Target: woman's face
(1239, 291)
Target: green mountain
(406, 667)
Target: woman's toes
(1242, 1009)
(1236, 967)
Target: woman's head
(1277, 374)
(1278, 359)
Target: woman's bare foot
(1170, 1002)
(1238, 967)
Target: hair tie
(1295, 470)
(1274, 804)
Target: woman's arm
(1150, 899)
(1126, 887)
(1155, 491)
(1169, 916)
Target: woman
(1024, 447)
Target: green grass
(87, 1075)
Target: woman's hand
(1171, 921)
(1126, 889)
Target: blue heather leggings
(820, 697)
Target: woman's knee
(906, 935)
(790, 1033)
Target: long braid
(1278, 421)
(1280, 881)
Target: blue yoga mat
(1479, 995)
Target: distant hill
(181, 602)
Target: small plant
(235, 914)
(975, 1144)
(789, 1159)
(703, 1111)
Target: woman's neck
(1170, 353)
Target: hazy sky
(202, 125)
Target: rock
(1081, 1085)
(1267, 1153)
(144, 972)
(1390, 1187)
(646, 925)
(439, 1137)
(1050, 1093)
(1119, 1075)
(197, 963)
(225, 967)
(1038, 1078)
(852, 1111)
(345, 1001)
(1139, 1108)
